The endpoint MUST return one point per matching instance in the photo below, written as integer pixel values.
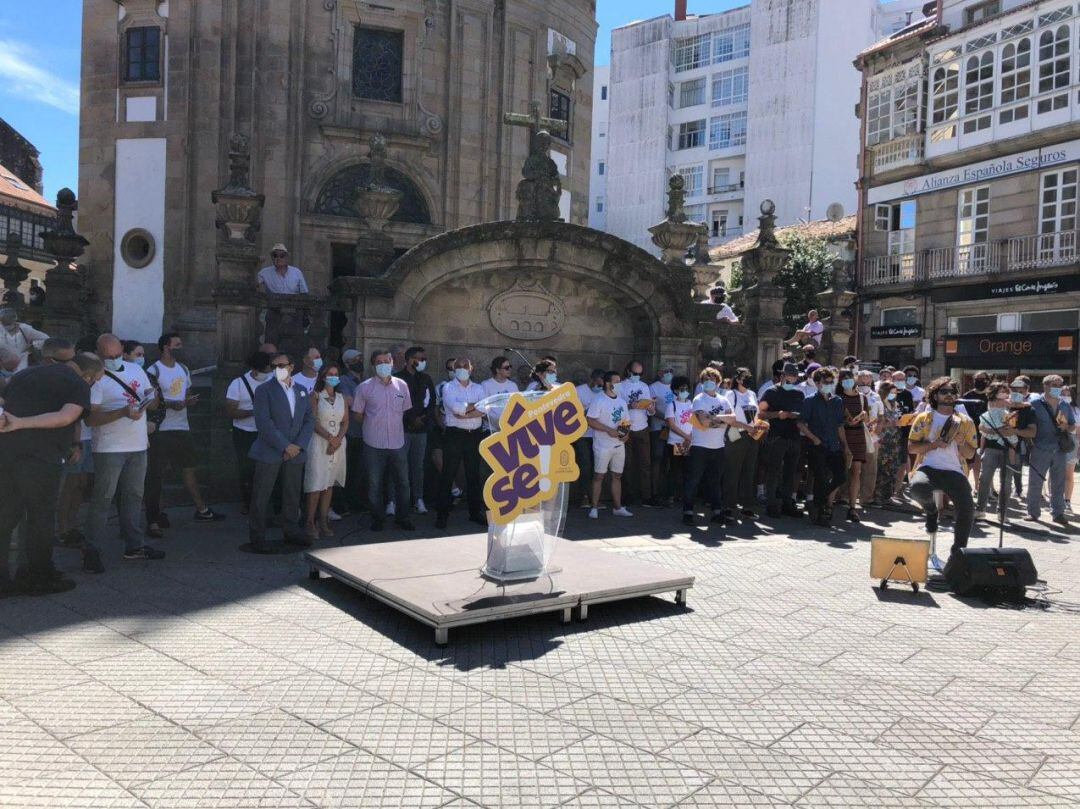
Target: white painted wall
(139, 294)
(598, 181)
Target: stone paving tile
(8, 713)
(630, 724)
(314, 698)
(726, 682)
(79, 709)
(224, 783)
(695, 647)
(962, 789)
(730, 794)
(627, 685)
(833, 712)
(1033, 706)
(882, 696)
(345, 663)
(520, 686)
(398, 735)
(243, 666)
(629, 772)
(188, 639)
(597, 799)
(143, 750)
(885, 766)
(842, 790)
(524, 732)
(793, 673)
(739, 719)
(902, 676)
(28, 672)
(1019, 731)
(425, 693)
(495, 777)
(768, 771)
(135, 671)
(1056, 685)
(200, 703)
(990, 674)
(1059, 776)
(84, 642)
(362, 781)
(961, 750)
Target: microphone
(524, 359)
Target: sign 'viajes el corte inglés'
(532, 452)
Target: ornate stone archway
(588, 297)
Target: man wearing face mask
(309, 373)
(583, 447)
(1052, 442)
(741, 446)
(285, 424)
(18, 337)
(641, 406)
(783, 445)
(171, 444)
(380, 405)
(905, 409)
(464, 431)
(943, 441)
(118, 405)
(911, 377)
(36, 436)
(662, 397)
(1024, 421)
(419, 420)
(821, 420)
(134, 353)
(240, 407)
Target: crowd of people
(325, 433)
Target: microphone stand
(523, 358)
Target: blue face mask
(849, 384)
(333, 381)
(913, 380)
(422, 365)
(1055, 392)
(634, 377)
(789, 386)
(666, 378)
(462, 374)
(891, 397)
(317, 363)
(684, 395)
(596, 388)
(1016, 397)
(709, 386)
(140, 361)
(384, 369)
(112, 363)
(551, 379)
(829, 389)
(900, 385)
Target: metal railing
(725, 189)
(894, 269)
(1043, 250)
(905, 150)
(954, 262)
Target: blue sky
(39, 71)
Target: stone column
(763, 300)
(67, 313)
(13, 273)
(675, 234)
(837, 300)
(239, 211)
(376, 202)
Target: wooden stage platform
(437, 581)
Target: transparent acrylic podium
(522, 548)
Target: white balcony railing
(1043, 250)
(954, 262)
(894, 269)
(905, 150)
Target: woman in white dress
(325, 466)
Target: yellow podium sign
(532, 452)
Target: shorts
(85, 466)
(174, 448)
(608, 459)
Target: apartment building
(746, 104)
(598, 164)
(970, 167)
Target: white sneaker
(593, 514)
(622, 512)
(391, 509)
(420, 507)
(333, 516)
(455, 491)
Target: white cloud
(21, 76)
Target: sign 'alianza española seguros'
(532, 452)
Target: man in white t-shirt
(583, 447)
(499, 381)
(171, 443)
(911, 377)
(813, 330)
(117, 415)
(310, 366)
(608, 416)
(635, 392)
(712, 416)
(19, 338)
(726, 313)
(240, 407)
(281, 278)
(662, 398)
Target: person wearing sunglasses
(943, 442)
(281, 277)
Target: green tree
(803, 276)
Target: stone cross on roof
(535, 121)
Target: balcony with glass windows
(907, 150)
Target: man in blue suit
(285, 423)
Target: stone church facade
(309, 83)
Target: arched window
(944, 101)
(1054, 59)
(1015, 80)
(338, 196)
(979, 83)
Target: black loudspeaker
(993, 572)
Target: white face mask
(282, 374)
(864, 389)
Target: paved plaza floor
(220, 679)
